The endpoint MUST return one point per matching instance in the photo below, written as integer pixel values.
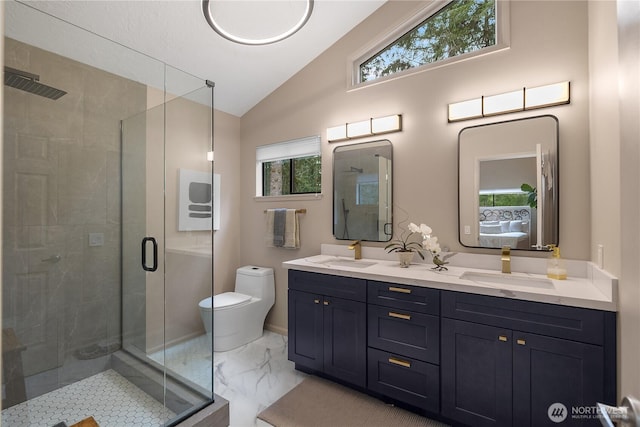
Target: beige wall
(548, 44)
(629, 236)
(615, 161)
(178, 136)
(1, 161)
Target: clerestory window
(458, 28)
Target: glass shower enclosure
(108, 210)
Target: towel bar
(300, 211)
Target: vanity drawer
(325, 284)
(405, 332)
(574, 323)
(406, 297)
(402, 378)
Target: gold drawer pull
(399, 362)
(399, 316)
(316, 301)
(502, 338)
(401, 290)
(521, 342)
(326, 303)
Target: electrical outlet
(96, 239)
(467, 229)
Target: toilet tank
(255, 281)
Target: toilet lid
(229, 299)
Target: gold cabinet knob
(502, 338)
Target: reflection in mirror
(508, 184)
(362, 191)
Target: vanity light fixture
(206, 10)
(337, 133)
(503, 103)
(465, 110)
(546, 96)
(510, 102)
(362, 128)
(359, 129)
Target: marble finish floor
(108, 397)
(250, 377)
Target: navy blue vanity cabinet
(505, 362)
(327, 325)
(403, 331)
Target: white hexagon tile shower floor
(108, 397)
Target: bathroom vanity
(468, 346)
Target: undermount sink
(507, 279)
(340, 262)
(351, 263)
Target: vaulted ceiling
(175, 32)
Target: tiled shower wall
(61, 295)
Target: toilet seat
(225, 300)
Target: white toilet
(238, 317)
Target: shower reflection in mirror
(362, 191)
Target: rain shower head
(355, 169)
(30, 83)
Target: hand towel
(279, 227)
(291, 230)
(268, 235)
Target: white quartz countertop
(588, 287)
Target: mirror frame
(549, 205)
(388, 227)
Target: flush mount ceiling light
(218, 28)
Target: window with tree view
(291, 176)
(460, 27)
(289, 167)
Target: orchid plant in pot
(406, 245)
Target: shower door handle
(154, 266)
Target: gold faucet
(356, 247)
(506, 259)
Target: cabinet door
(345, 343)
(305, 329)
(476, 366)
(549, 371)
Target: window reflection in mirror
(362, 196)
(508, 175)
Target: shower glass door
(86, 177)
(167, 269)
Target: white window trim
(413, 20)
(292, 149)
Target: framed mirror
(508, 184)
(362, 191)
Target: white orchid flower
(431, 244)
(425, 230)
(414, 228)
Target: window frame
(413, 20)
(301, 147)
